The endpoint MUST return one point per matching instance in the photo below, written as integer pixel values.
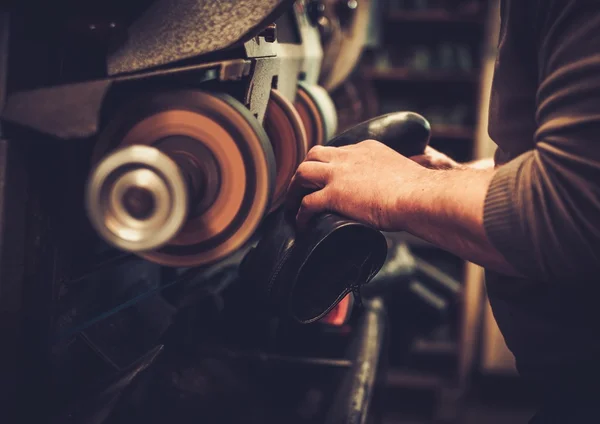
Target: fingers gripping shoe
(303, 275)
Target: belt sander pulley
(184, 178)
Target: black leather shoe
(406, 132)
(304, 275)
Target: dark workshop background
(434, 57)
(437, 57)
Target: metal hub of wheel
(137, 199)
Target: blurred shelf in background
(436, 347)
(454, 132)
(429, 59)
(402, 378)
(434, 16)
(414, 75)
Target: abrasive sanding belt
(173, 30)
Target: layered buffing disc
(317, 112)
(286, 132)
(212, 163)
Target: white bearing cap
(137, 199)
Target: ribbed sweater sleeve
(542, 209)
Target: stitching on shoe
(277, 270)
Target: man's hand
(433, 159)
(361, 181)
(371, 183)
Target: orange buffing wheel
(224, 157)
(288, 138)
(311, 118)
(318, 114)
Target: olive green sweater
(542, 209)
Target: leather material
(304, 275)
(406, 132)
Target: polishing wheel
(286, 132)
(347, 24)
(318, 113)
(188, 179)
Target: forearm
(445, 207)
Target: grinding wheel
(225, 175)
(344, 33)
(318, 114)
(288, 138)
(355, 101)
